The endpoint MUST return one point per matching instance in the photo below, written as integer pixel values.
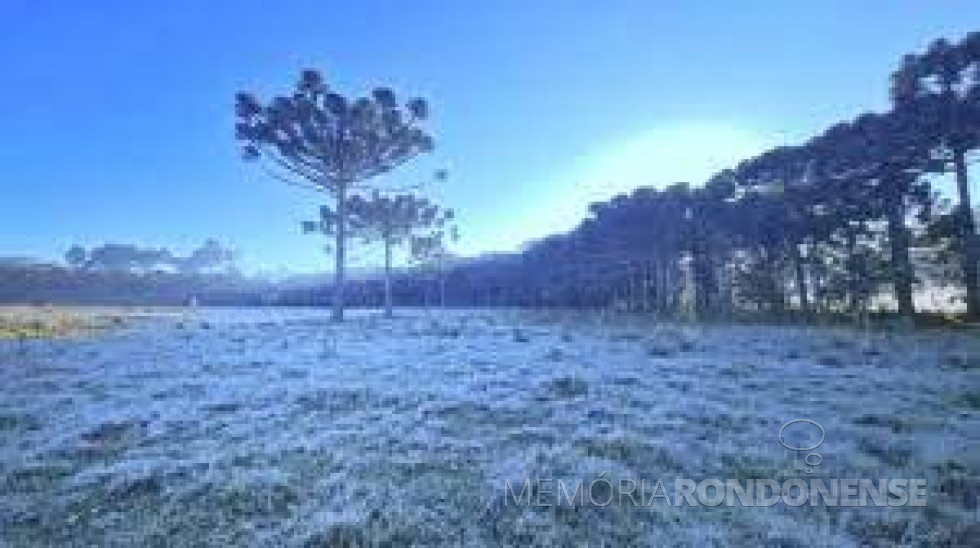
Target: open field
(28, 322)
(265, 427)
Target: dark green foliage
(939, 90)
(390, 220)
(318, 139)
(827, 226)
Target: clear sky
(117, 116)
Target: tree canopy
(319, 139)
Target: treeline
(211, 256)
(25, 282)
(847, 221)
(125, 273)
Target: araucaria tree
(316, 138)
(940, 90)
(430, 251)
(390, 220)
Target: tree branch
(292, 182)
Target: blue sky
(118, 119)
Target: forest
(849, 221)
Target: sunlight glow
(685, 152)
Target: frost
(278, 426)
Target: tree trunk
(667, 289)
(388, 304)
(968, 246)
(442, 289)
(341, 238)
(662, 298)
(818, 281)
(700, 272)
(773, 280)
(853, 293)
(646, 286)
(801, 285)
(674, 281)
(898, 237)
(723, 306)
(640, 286)
(660, 288)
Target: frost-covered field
(265, 427)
